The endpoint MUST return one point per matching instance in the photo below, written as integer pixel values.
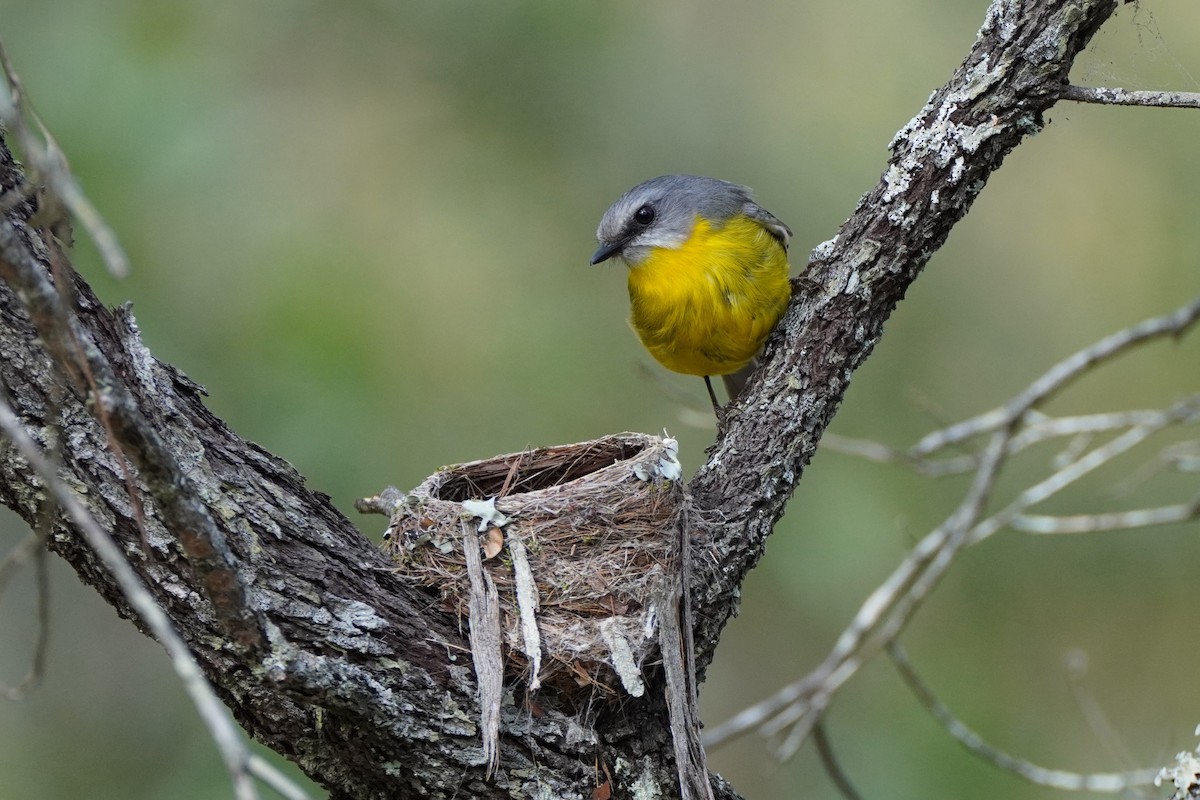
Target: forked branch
(1010, 428)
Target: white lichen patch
(1184, 776)
(667, 466)
(824, 250)
(644, 786)
(897, 181)
(356, 614)
(486, 512)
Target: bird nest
(574, 544)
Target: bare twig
(833, 767)
(886, 611)
(1062, 375)
(1036, 429)
(1076, 668)
(870, 450)
(882, 616)
(44, 157)
(31, 547)
(214, 715)
(202, 541)
(1131, 97)
(1115, 521)
(1084, 465)
(274, 777)
(1180, 456)
(1109, 783)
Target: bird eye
(644, 215)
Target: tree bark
(322, 653)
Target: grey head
(662, 211)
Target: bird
(708, 274)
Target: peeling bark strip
(346, 670)
(485, 649)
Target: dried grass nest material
(598, 522)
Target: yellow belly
(706, 307)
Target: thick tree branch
(215, 716)
(355, 678)
(339, 664)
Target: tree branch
(91, 375)
(886, 612)
(215, 716)
(1126, 97)
(940, 162)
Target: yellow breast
(706, 307)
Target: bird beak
(606, 251)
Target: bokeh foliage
(364, 227)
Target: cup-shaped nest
(580, 542)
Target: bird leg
(713, 396)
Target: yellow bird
(708, 273)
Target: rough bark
(321, 652)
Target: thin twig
(1084, 465)
(1180, 456)
(1143, 424)
(31, 547)
(274, 777)
(1109, 783)
(881, 617)
(796, 707)
(1061, 375)
(214, 715)
(83, 363)
(48, 162)
(1076, 667)
(1037, 428)
(868, 449)
(888, 609)
(1131, 97)
(1114, 521)
(829, 760)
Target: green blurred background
(364, 227)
